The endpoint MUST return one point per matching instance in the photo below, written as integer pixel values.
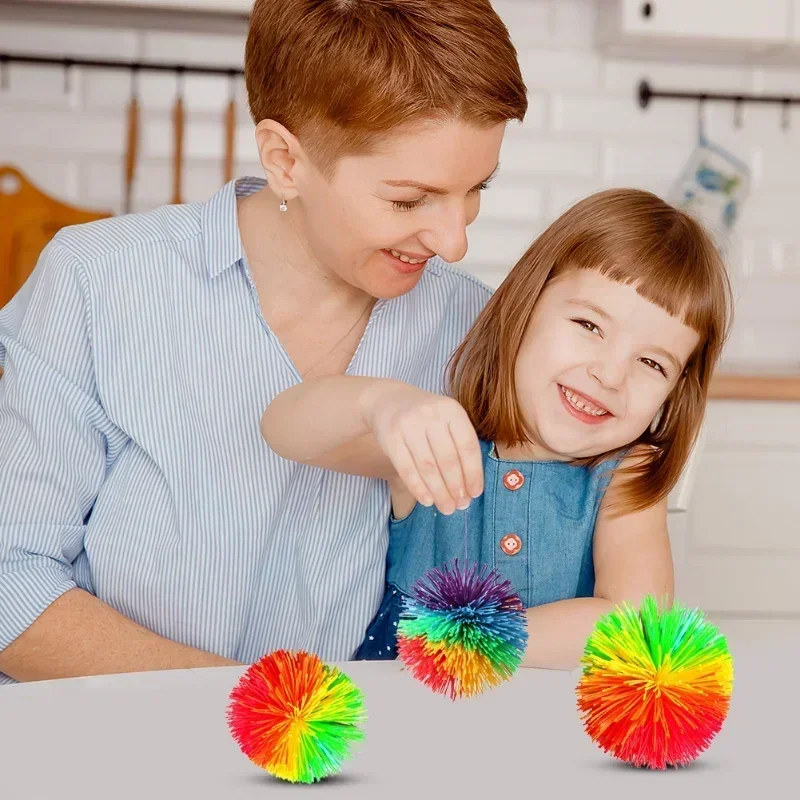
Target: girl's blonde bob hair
(633, 237)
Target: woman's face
(381, 216)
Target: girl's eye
(590, 326)
(407, 205)
(654, 365)
(482, 187)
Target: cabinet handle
(647, 10)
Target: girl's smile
(583, 408)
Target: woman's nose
(448, 238)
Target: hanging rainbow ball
(656, 685)
(296, 717)
(462, 631)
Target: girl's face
(596, 364)
(413, 198)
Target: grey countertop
(164, 735)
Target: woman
(144, 524)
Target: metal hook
(134, 81)
(68, 64)
(180, 77)
(786, 121)
(737, 113)
(701, 103)
(4, 82)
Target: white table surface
(164, 735)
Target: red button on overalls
(511, 544)
(513, 480)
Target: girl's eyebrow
(580, 303)
(668, 356)
(576, 301)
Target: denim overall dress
(534, 524)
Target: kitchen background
(734, 521)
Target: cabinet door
(224, 6)
(795, 35)
(739, 552)
(714, 20)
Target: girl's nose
(609, 372)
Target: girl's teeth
(587, 408)
(405, 258)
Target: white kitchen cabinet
(682, 26)
(795, 30)
(239, 7)
(750, 20)
(737, 548)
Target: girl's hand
(430, 442)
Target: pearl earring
(283, 205)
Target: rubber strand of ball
(466, 552)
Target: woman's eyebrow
(424, 187)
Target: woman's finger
(416, 440)
(406, 469)
(448, 462)
(468, 447)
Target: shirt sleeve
(53, 438)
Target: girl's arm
(632, 558)
(421, 443)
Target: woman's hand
(430, 441)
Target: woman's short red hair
(339, 74)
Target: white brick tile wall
(44, 88)
(531, 155)
(546, 68)
(573, 24)
(529, 23)
(87, 134)
(85, 42)
(187, 48)
(593, 114)
(584, 131)
(523, 203)
(623, 76)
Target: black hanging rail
(131, 66)
(647, 94)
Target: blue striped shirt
(137, 367)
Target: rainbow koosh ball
(462, 631)
(296, 717)
(656, 685)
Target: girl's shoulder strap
(605, 469)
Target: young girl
(575, 402)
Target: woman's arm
(632, 559)
(323, 422)
(422, 443)
(79, 635)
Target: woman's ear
(279, 152)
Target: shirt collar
(220, 224)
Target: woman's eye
(590, 326)
(654, 365)
(482, 187)
(407, 205)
